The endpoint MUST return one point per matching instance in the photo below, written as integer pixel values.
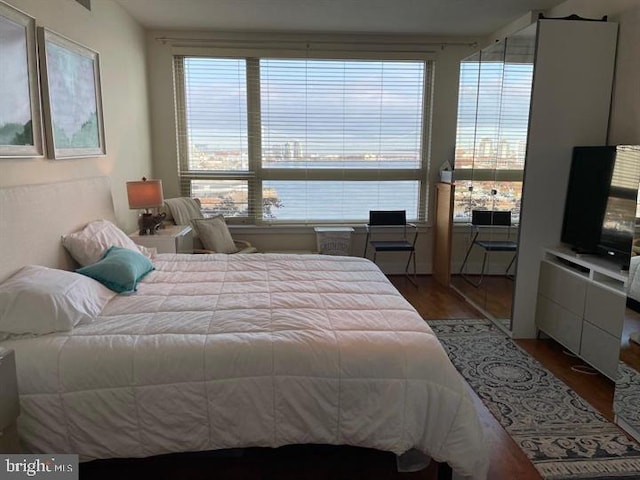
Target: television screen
(587, 194)
(618, 225)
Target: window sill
(358, 228)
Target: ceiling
(425, 17)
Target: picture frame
(72, 98)
(20, 112)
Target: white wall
(624, 127)
(120, 41)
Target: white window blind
(303, 140)
(517, 82)
(213, 133)
(469, 88)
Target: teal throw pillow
(120, 269)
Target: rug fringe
(556, 470)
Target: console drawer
(561, 324)
(563, 286)
(605, 308)
(600, 349)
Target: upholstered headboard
(34, 217)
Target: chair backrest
(491, 217)
(181, 210)
(387, 217)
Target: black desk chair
(392, 221)
(489, 218)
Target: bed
(226, 351)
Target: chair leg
(484, 263)
(466, 257)
(464, 263)
(366, 244)
(413, 280)
(466, 278)
(414, 268)
(506, 272)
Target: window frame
(256, 173)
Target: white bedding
(218, 351)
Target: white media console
(581, 304)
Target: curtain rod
(227, 42)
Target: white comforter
(218, 351)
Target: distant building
(292, 150)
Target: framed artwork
(20, 117)
(72, 97)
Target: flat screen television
(587, 194)
(601, 202)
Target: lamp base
(148, 224)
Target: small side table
(334, 240)
(170, 239)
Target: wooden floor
(494, 294)
(432, 301)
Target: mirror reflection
(627, 393)
(493, 117)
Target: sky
(328, 106)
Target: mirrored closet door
(493, 115)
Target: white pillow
(89, 244)
(39, 300)
(214, 234)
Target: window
(493, 115)
(303, 140)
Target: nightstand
(9, 403)
(170, 239)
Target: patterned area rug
(562, 435)
(627, 396)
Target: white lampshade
(145, 194)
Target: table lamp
(146, 194)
